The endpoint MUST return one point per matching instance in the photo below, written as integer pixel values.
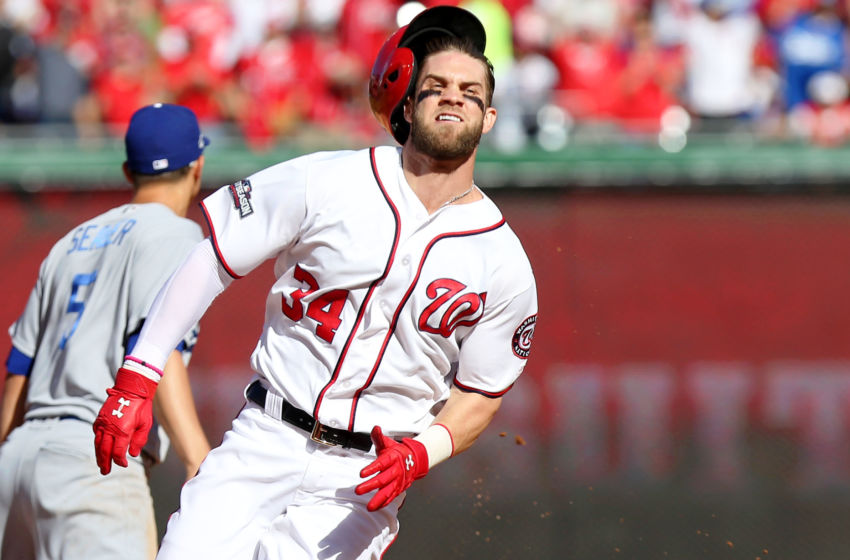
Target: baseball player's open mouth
(448, 118)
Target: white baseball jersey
(377, 307)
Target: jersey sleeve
(25, 330)
(494, 353)
(254, 219)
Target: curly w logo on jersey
(453, 308)
(523, 336)
(241, 193)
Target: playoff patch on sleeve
(240, 191)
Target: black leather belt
(319, 433)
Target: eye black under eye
(427, 93)
(475, 99)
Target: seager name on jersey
(92, 236)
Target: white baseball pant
(270, 492)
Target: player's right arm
(12, 406)
(25, 333)
(125, 417)
(248, 225)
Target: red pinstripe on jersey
(402, 303)
(468, 389)
(215, 243)
(363, 306)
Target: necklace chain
(458, 197)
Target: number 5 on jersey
(76, 304)
(325, 310)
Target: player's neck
(174, 196)
(438, 183)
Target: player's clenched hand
(395, 469)
(124, 419)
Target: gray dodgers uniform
(85, 311)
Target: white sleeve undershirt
(180, 304)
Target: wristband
(142, 368)
(438, 442)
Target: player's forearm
(180, 304)
(174, 407)
(465, 416)
(457, 426)
(12, 405)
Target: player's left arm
(462, 419)
(175, 410)
(465, 416)
(492, 356)
(12, 406)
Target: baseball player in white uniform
(402, 310)
(83, 316)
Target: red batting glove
(397, 466)
(124, 419)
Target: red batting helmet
(394, 71)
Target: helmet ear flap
(392, 79)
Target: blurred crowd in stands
(278, 69)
